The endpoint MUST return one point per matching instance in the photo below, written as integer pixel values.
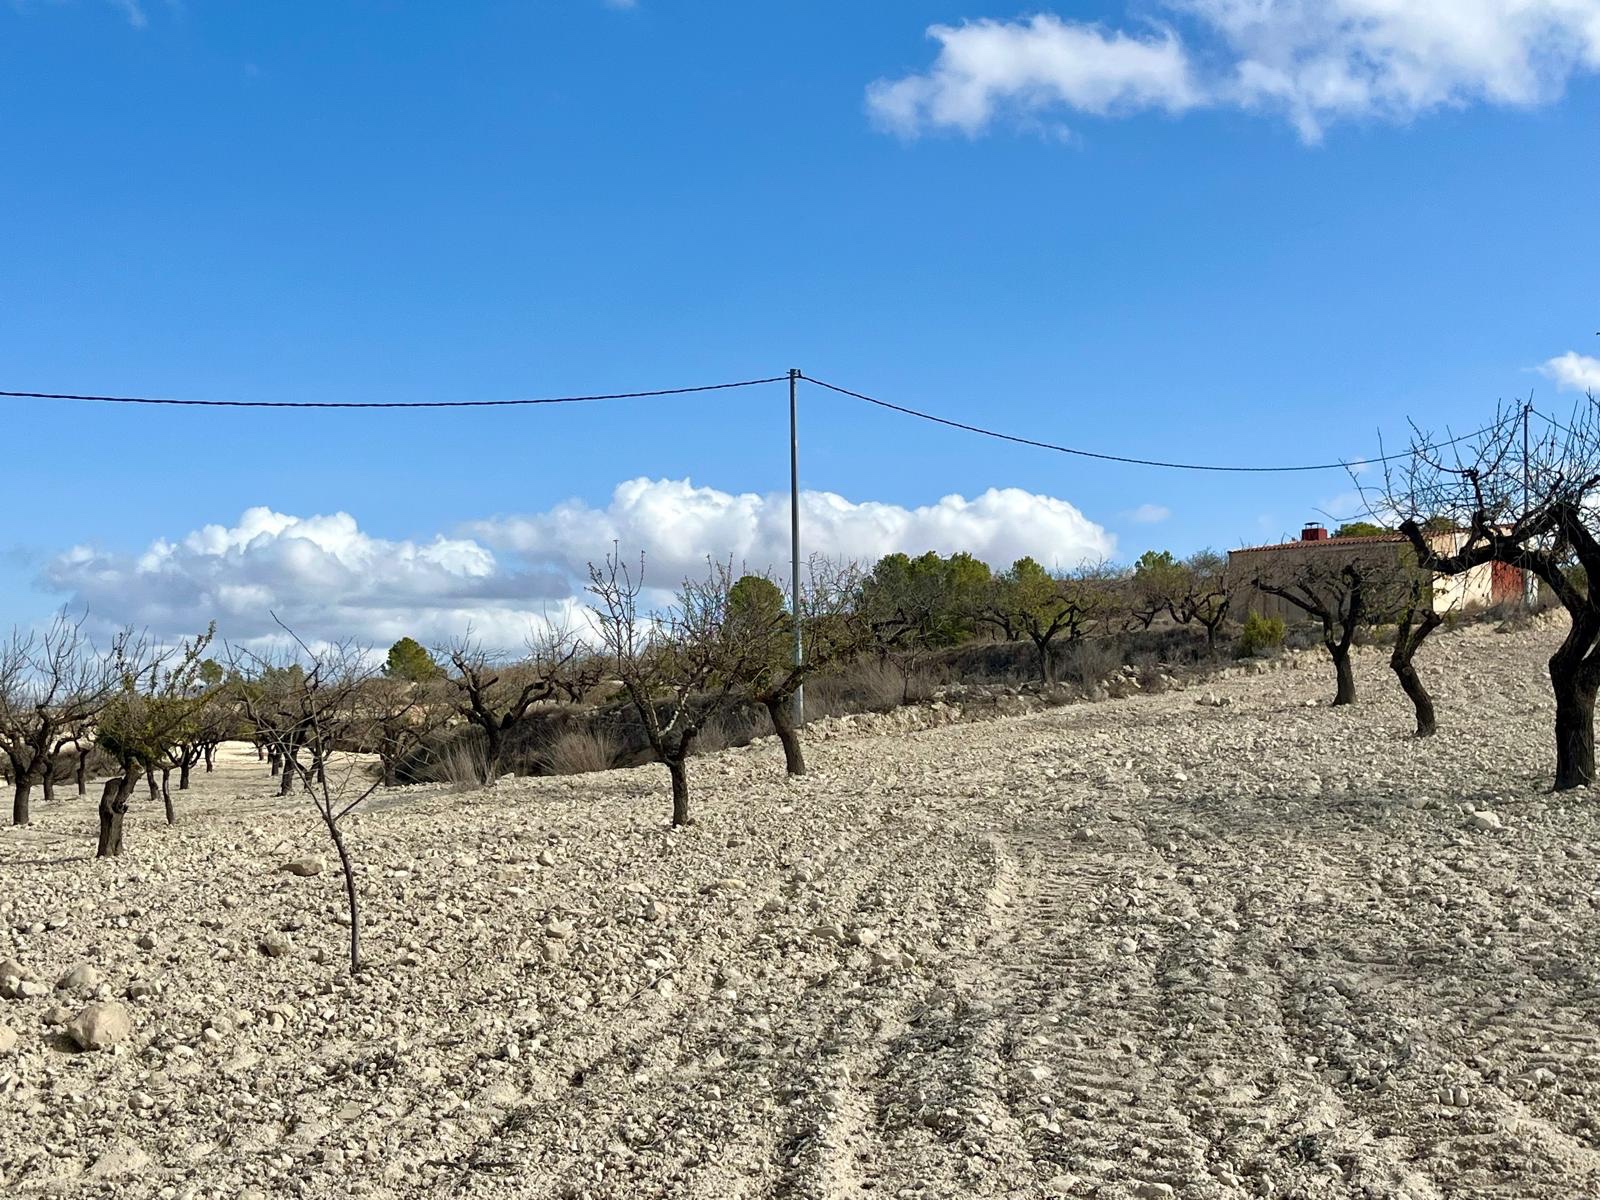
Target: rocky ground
(1210, 943)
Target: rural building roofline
(1324, 543)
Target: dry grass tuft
(580, 751)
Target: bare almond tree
(399, 715)
(1522, 492)
(52, 686)
(679, 667)
(495, 694)
(1203, 593)
(158, 699)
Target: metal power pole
(794, 538)
(1530, 581)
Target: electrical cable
(1119, 458)
(683, 391)
(746, 383)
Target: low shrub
(1089, 661)
(1260, 634)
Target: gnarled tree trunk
(1047, 661)
(781, 710)
(113, 807)
(680, 790)
(1345, 689)
(20, 810)
(1407, 641)
(1575, 695)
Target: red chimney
(1314, 531)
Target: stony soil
(1147, 947)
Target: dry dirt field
(1148, 947)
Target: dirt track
(1137, 948)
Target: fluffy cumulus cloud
(327, 578)
(678, 524)
(1574, 372)
(1315, 62)
(1035, 64)
(322, 576)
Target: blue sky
(1159, 229)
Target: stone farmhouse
(1478, 588)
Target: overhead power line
(682, 391)
(1121, 458)
(904, 410)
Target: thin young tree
(317, 709)
(679, 667)
(1522, 492)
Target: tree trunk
(150, 782)
(166, 796)
(1406, 644)
(349, 890)
(389, 777)
(19, 801)
(211, 754)
(491, 754)
(272, 760)
(678, 769)
(286, 775)
(781, 710)
(1574, 727)
(1411, 684)
(83, 773)
(1346, 690)
(113, 807)
(49, 783)
(1047, 662)
(183, 773)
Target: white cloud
(1574, 372)
(322, 575)
(1034, 64)
(678, 525)
(1315, 62)
(327, 578)
(1149, 514)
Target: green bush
(1260, 633)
